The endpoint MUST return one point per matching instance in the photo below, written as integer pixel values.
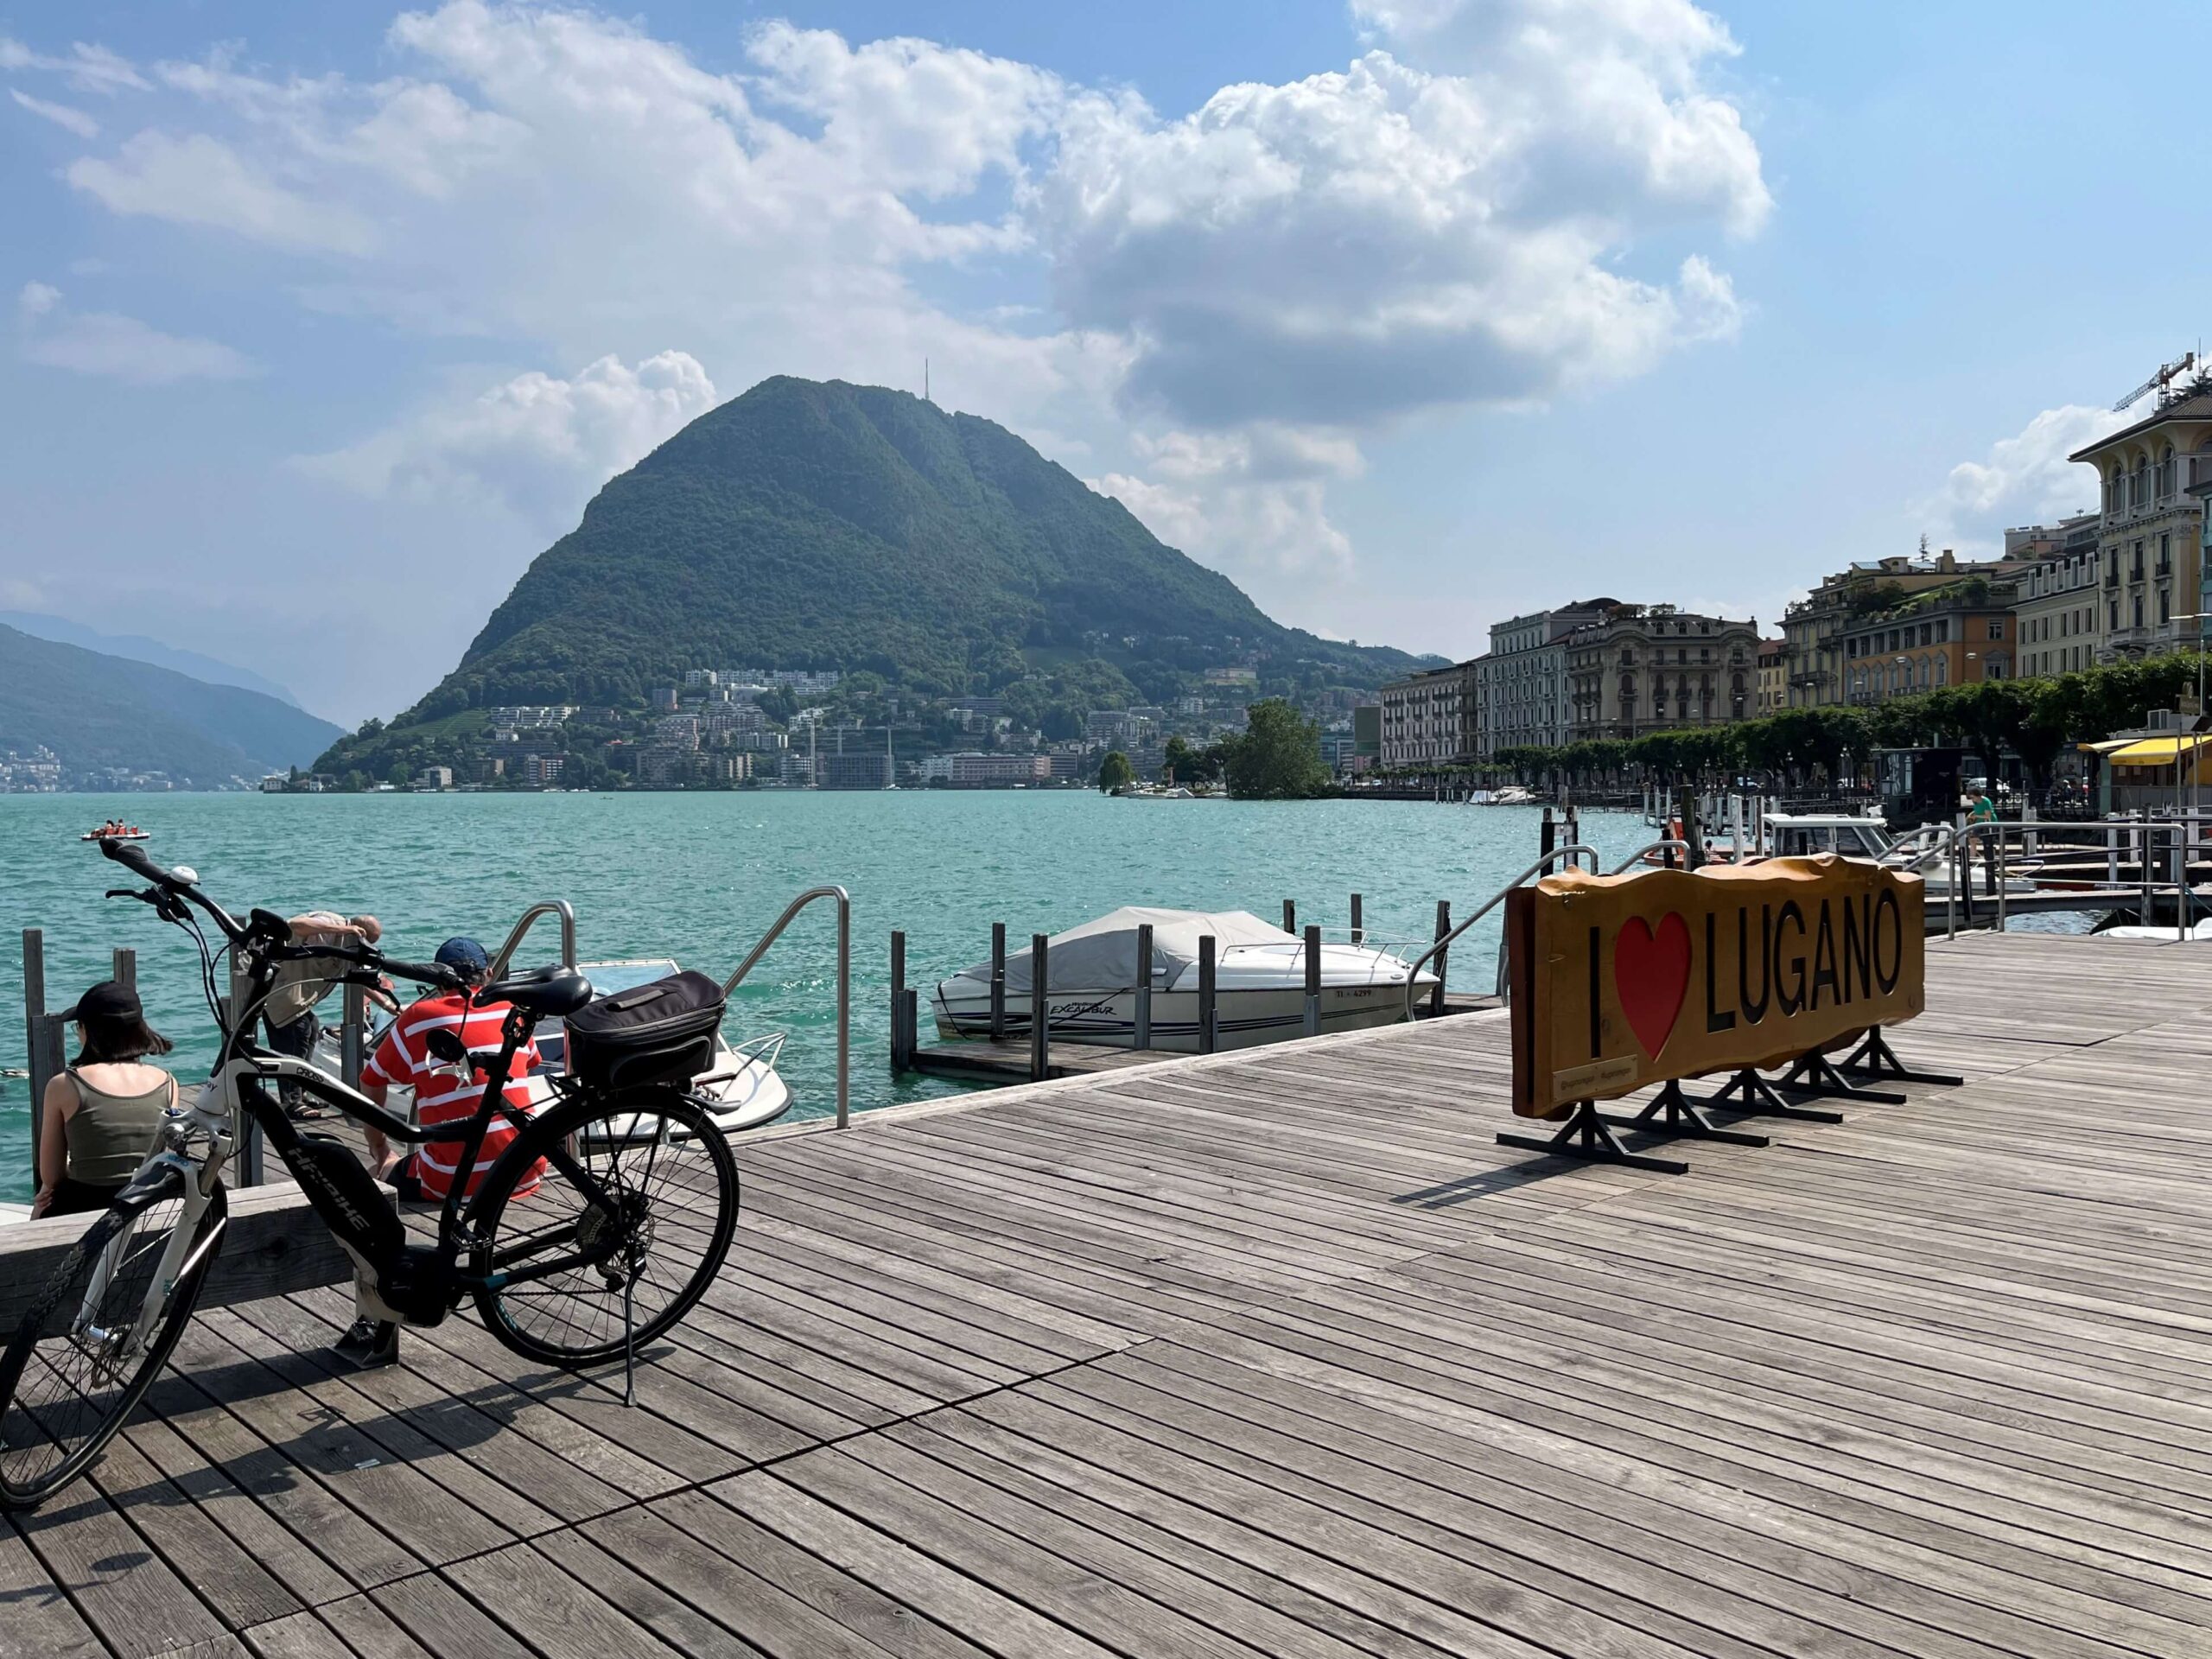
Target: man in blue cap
(443, 1093)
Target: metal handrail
(844, 980)
(1413, 973)
(1662, 843)
(560, 907)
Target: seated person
(289, 1010)
(444, 1093)
(102, 1114)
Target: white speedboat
(742, 1086)
(1091, 975)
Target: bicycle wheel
(586, 1280)
(72, 1373)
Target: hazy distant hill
(95, 711)
(139, 648)
(824, 525)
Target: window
(1942, 669)
(2114, 624)
(2165, 552)
(2165, 615)
(1943, 631)
(1997, 627)
(2136, 573)
(2139, 610)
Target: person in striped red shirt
(446, 1093)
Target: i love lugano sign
(1621, 980)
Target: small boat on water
(117, 835)
(1091, 975)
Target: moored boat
(1260, 975)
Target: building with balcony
(1521, 682)
(1812, 628)
(1655, 668)
(979, 769)
(1774, 677)
(1957, 635)
(1430, 718)
(2059, 613)
(2152, 525)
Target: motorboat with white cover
(741, 1088)
(1091, 975)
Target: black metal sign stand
(1749, 1093)
(1875, 1058)
(1586, 1134)
(1814, 1076)
(1673, 1113)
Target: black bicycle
(598, 1227)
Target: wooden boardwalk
(1277, 1353)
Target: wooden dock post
(1144, 986)
(1289, 916)
(900, 1051)
(1040, 1009)
(353, 1032)
(998, 982)
(1313, 981)
(124, 967)
(1548, 835)
(1209, 1020)
(34, 1022)
(1358, 931)
(1444, 926)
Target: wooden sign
(1621, 980)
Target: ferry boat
(117, 835)
(1259, 983)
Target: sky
(320, 322)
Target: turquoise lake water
(700, 876)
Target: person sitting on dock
(445, 1094)
(289, 1012)
(102, 1114)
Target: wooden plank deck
(1278, 1353)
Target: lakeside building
(1959, 635)
(1774, 677)
(997, 769)
(1812, 628)
(2059, 611)
(2151, 526)
(1657, 668)
(1521, 690)
(1432, 717)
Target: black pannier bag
(663, 1032)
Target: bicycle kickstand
(629, 1341)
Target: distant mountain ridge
(827, 525)
(139, 648)
(96, 711)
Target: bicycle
(594, 1231)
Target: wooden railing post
(1209, 1019)
(1443, 927)
(1143, 1034)
(998, 982)
(1313, 981)
(1040, 1009)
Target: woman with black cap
(102, 1113)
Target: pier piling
(1444, 927)
(1358, 932)
(998, 982)
(1209, 1017)
(901, 1040)
(1143, 1035)
(1040, 1010)
(1289, 916)
(1313, 981)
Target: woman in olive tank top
(102, 1114)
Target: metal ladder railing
(560, 907)
(1413, 973)
(844, 980)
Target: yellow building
(1774, 677)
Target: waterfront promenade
(1278, 1353)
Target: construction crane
(2167, 374)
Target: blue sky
(1408, 313)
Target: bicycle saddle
(551, 993)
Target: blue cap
(466, 955)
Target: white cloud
(87, 68)
(61, 115)
(121, 348)
(537, 444)
(2025, 479)
(200, 180)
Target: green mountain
(814, 526)
(97, 712)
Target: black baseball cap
(109, 1000)
(464, 954)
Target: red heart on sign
(1651, 975)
